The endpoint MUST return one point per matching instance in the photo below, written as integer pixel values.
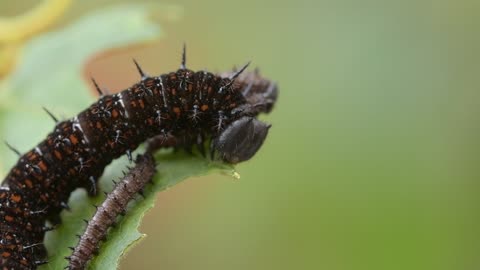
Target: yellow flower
(16, 30)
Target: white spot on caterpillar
(163, 92)
(77, 126)
(120, 100)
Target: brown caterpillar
(191, 107)
(106, 214)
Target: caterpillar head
(260, 93)
(241, 139)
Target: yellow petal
(36, 20)
(8, 56)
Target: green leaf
(49, 74)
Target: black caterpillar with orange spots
(193, 108)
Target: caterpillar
(191, 107)
(106, 214)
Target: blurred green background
(372, 161)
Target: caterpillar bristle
(184, 57)
(143, 75)
(92, 186)
(129, 155)
(99, 90)
(236, 74)
(13, 149)
(51, 115)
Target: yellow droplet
(231, 173)
(235, 175)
